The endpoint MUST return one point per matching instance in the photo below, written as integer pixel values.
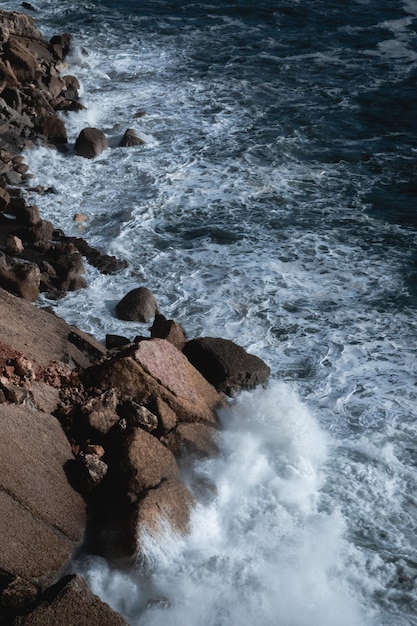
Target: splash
(260, 550)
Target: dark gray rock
(139, 305)
(227, 366)
(130, 138)
(91, 142)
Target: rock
(71, 84)
(80, 218)
(14, 245)
(169, 330)
(192, 440)
(29, 6)
(14, 393)
(44, 397)
(144, 462)
(23, 279)
(93, 471)
(13, 98)
(92, 448)
(156, 369)
(60, 45)
(105, 263)
(73, 282)
(41, 232)
(55, 85)
(100, 413)
(41, 516)
(227, 366)
(130, 138)
(18, 595)
(53, 128)
(170, 502)
(87, 344)
(90, 143)
(4, 199)
(28, 215)
(71, 602)
(139, 305)
(167, 417)
(22, 59)
(14, 23)
(139, 416)
(24, 328)
(116, 341)
(23, 367)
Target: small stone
(80, 218)
(91, 448)
(14, 245)
(24, 367)
(139, 416)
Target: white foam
(261, 550)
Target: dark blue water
(274, 203)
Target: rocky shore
(92, 434)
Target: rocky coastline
(92, 434)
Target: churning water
(274, 204)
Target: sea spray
(261, 549)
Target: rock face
(71, 602)
(139, 305)
(159, 393)
(91, 142)
(227, 366)
(24, 327)
(156, 369)
(31, 91)
(42, 517)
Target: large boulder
(91, 142)
(71, 602)
(23, 279)
(192, 441)
(156, 369)
(170, 503)
(41, 516)
(227, 366)
(138, 305)
(144, 462)
(24, 328)
(14, 23)
(53, 128)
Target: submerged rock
(131, 138)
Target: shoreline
(122, 415)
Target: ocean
(273, 204)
